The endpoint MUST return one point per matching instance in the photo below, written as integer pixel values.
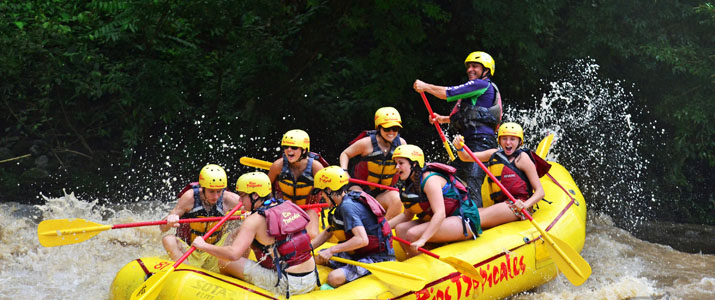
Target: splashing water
(597, 139)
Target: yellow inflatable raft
(510, 258)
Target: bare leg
(173, 247)
(336, 278)
(233, 268)
(409, 231)
(390, 200)
(496, 214)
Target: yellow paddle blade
(256, 163)
(543, 149)
(60, 232)
(150, 289)
(575, 268)
(393, 272)
(449, 150)
(462, 266)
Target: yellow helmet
(254, 182)
(296, 138)
(511, 129)
(213, 177)
(332, 177)
(483, 58)
(410, 152)
(387, 117)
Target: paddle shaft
(436, 125)
(423, 250)
(262, 164)
(544, 234)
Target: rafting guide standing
(358, 221)
(206, 198)
(476, 116)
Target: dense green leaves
(99, 80)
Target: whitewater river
(594, 122)
(623, 267)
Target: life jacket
(513, 179)
(189, 231)
(455, 194)
(468, 117)
(286, 223)
(379, 235)
(297, 189)
(378, 166)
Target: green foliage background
(91, 82)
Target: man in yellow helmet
(206, 198)
(374, 149)
(276, 232)
(476, 116)
(358, 222)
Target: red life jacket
(286, 223)
(382, 242)
(513, 179)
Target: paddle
(151, 287)
(393, 272)
(262, 164)
(461, 266)
(543, 149)
(436, 125)
(574, 267)
(61, 232)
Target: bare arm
(525, 164)
(230, 200)
(275, 169)
(433, 190)
(357, 148)
(401, 218)
(435, 90)
(358, 241)
(184, 204)
(464, 156)
(240, 245)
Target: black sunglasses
(393, 128)
(291, 147)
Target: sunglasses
(290, 147)
(393, 128)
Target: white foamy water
(623, 266)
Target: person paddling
(292, 174)
(276, 232)
(358, 221)
(517, 171)
(476, 116)
(444, 211)
(374, 149)
(206, 198)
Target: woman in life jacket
(292, 174)
(206, 198)
(275, 231)
(372, 154)
(358, 221)
(432, 193)
(516, 171)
